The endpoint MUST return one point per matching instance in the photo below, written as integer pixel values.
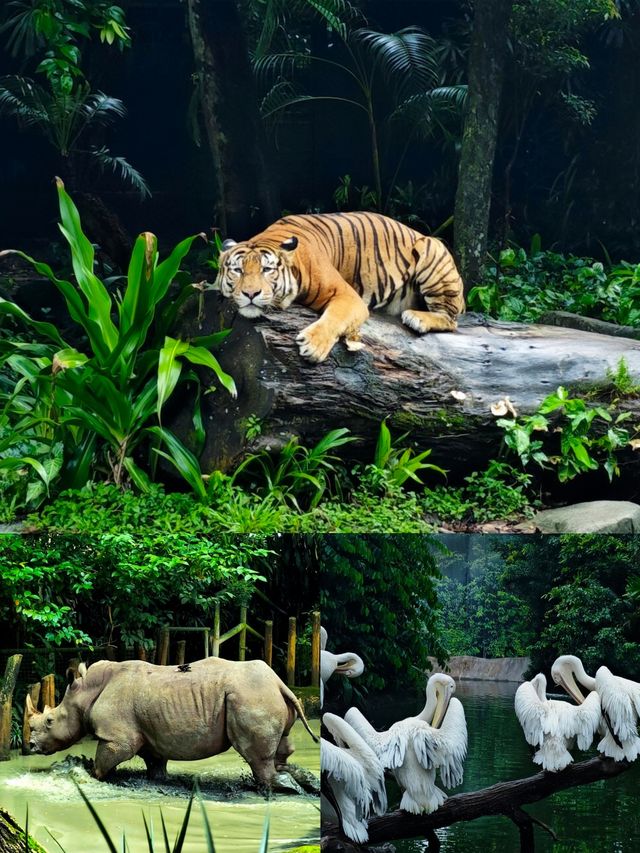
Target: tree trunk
(398, 376)
(473, 197)
(246, 196)
(505, 798)
(12, 836)
(6, 697)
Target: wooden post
(6, 696)
(291, 652)
(215, 640)
(111, 652)
(315, 648)
(33, 690)
(181, 646)
(163, 648)
(141, 652)
(242, 647)
(268, 641)
(48, 691)
(207, 647)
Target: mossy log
(504, 798)
(438, 386)
(12, 836)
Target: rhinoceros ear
(31, 708)
(82, 670)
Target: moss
(432, 423)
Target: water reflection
(598, 817)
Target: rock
(590, 517)
(462, 667)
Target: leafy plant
(295, 473)
(102, 398)
(497, 493)
(622, 380)
(393, 466)
(581, 447)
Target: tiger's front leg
(343, 315)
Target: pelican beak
(442, 704)
(568, 682)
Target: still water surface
(600, 818)
(236, 813)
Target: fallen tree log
(398, 376)
(12, 836)
(504, 798)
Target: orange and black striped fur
(342, 264)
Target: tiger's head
(258, 276)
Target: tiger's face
(257, 276)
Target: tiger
(341, 265)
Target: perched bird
(184, 667)
(416, 747)
(619, 703)
(352, 778)
(348, 664)
(554, 726)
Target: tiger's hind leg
(438, 281)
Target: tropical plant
(403, 64)
(63, 108)
(582, 447)
(393, 466)
(295, 473)
(103, 395)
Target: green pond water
(236, 811)
(602, 817)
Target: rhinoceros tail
(291, 698)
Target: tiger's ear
(228, 244)
(289, 244)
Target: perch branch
(504, 798)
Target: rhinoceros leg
(283, 752)
(156, 767)
(109, 754)
(256, 736)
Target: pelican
(554, 726)
(354, 776)
(619, 699)
(348, 664)
(414, 748)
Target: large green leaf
(47, 330)
(136, 301)
(169, 369)
(182, 458)
(200, 355)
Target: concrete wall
(485, 669)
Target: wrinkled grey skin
(160, 713)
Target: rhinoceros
(164, 712)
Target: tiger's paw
(428, 321)
(315, 342)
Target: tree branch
(504, 798)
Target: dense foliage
(544, 596)
(372, 604)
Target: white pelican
(348, 664)
(355, 777)
(414, 748)
(554, 726)
(619, 700)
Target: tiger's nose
(251, 294)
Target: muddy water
(236, 811)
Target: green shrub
(522, 287)
(74, 412)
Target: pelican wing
(588, 717)
(451, 745)
(363, 727)
(394, 748)
(620, 699)
(347, 737)
(344, 768)
(532, 714)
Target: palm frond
(23, 36)
(407, 58)
(24, 100)
(102, 109)
(121, 167)
(337, 14)
(427, 110)
(281, 96)
(276, 65)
